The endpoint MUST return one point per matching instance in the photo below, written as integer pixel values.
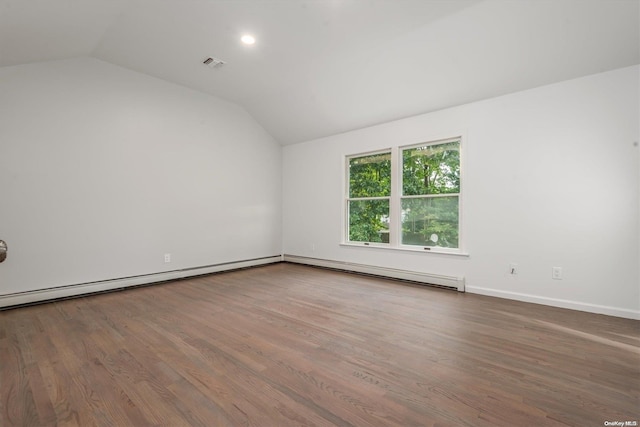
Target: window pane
(370, 176)
(430, 221)
(432, 169)
(369, 221)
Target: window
(414, 205)
(430, 195)
(368, 198)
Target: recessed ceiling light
(248, 39)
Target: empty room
(319, 213)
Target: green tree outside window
(369, 194)
(428, 203)
(430, 190)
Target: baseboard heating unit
(40, 295)
(439, 280)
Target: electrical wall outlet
(556, 273)
(167, 257)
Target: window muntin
(413, 205)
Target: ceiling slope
(323, 67)
(41, 30)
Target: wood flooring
(290, 345)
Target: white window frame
(348, 199)
(395, 201)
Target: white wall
(103, 170)
(550, 179)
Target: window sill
(418, 249)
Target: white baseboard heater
(40, 295)
(452, 282)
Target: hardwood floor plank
(289, 345)
(19, 407)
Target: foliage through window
(425, 210)
(369, 195)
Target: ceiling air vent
(213, 62)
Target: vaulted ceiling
(321, 67)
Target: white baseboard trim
(555, 302)
(427, 278)
(453, 282)
(40, 295)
